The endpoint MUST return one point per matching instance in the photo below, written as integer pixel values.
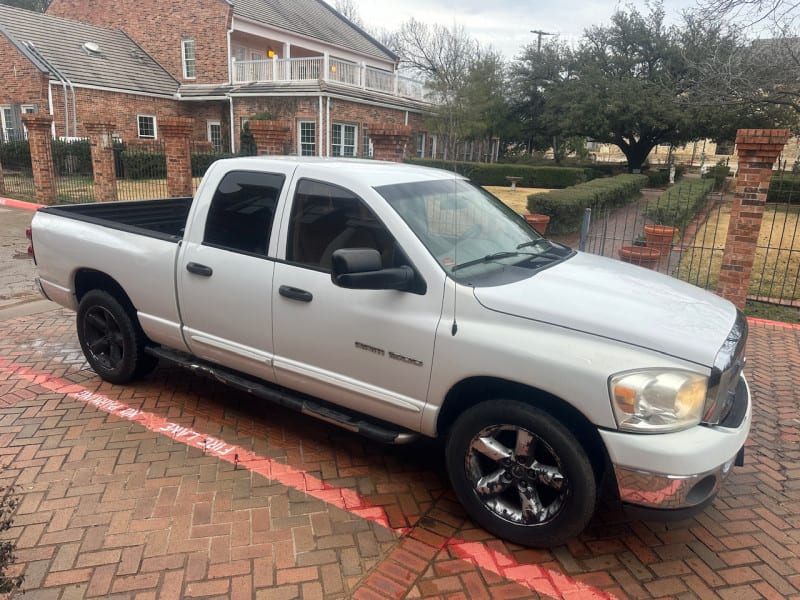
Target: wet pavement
(179, 487)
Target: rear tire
(520, 473)
(112, 341)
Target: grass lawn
(518, 199)
(777, 260)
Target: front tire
(520, 473)
(111, 340)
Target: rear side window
(241, 212)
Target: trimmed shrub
(680, 203)
(202, 160)
(784, 189)
(718, 173)
(16, 156)
(566, 207)
(496, 173)
(72, 157)
(144, 165)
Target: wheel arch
(474, 390)
(92, 279)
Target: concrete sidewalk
(178, 487)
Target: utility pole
(539, 33)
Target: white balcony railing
(326, 69)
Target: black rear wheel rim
(103, 337)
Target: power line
(539, 33)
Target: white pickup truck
(397, 300)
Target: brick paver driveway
(178, 487)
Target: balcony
(323, 68)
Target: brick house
(76, 71)
(217, 61)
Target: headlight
(657, 401)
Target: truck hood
(616, 300)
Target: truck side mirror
(361, 269)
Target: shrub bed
(144, 165)
(16, 155)
(680, 203)
(496, 173)
(566, 207)
(202, 160)
(784, 189)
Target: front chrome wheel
(521, 473)
(516, 475)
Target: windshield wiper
(487, 258)
(535, 243)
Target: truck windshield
(469, 231)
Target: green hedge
(72, 157)
(202, 160)
(784, 189)
(139, 164)
(16, 156)
(566, 207)
(496, 173)
(680, 203)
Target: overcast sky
(505, 24)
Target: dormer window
(189, 60)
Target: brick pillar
(758, 149)
(389, 143)
(270, 136)
(176, 132)
(44, 172)
(105, 176)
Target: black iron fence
(74, 177)
(142, 168)
(682, 231)
(15, 158)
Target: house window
(421, 145)
(308, 137)
(366, 146)
(189, 59)
(147, 126)
(6, 124)
(215, 134)
(343, 138)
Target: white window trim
(356, 128)
(184, 59)
(300, 137)
(209, 125)
(139, 130)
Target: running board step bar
(374, 430)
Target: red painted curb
(19, 204)
(540, 580)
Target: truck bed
(163, 218)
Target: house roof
(315, 19)
(119, 64)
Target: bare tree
(760, 62)
(349, 10)
(465, 79)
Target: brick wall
(20, 81)
(307, 109)
(158, 27)
(122, 110)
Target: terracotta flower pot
(660, 237)
(538, 222)
(644, 256)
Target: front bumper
(680, 470)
